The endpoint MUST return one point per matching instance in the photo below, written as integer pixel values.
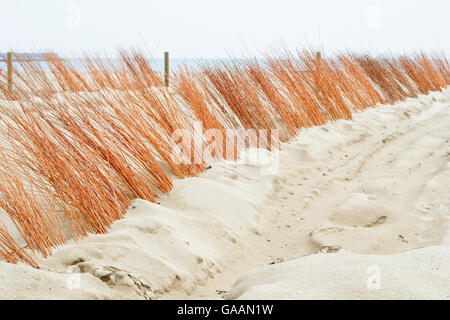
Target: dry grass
(79, 143)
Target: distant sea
(155, 64)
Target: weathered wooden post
(318, 61)
(166, 68)
(10, 72)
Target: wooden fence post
(166, 68)
(10, 72)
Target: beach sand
(357, 209)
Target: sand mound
(417, 274)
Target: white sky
(210, 29)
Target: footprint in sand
(354, 226)
(360, 210)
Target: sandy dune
(343, 217)
(416, 274)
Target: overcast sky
(208, 28)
